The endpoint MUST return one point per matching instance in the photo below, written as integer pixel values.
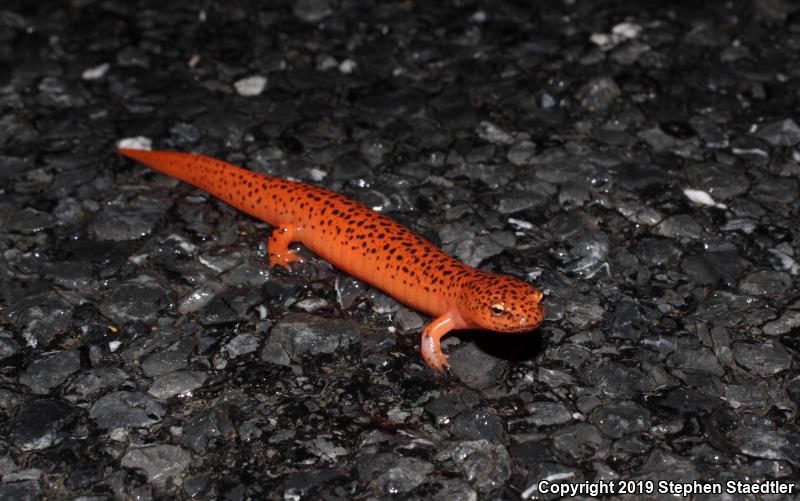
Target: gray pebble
(312, 11)
(474, 367)
(136, 300)
(125, 409)
(746, 396)
(28, 490)
(301, 333)
(599, 93)
(476, 424)
(38, 423)
(204, 427)
(124, 223)
(404, 476)
(162, 463)
(622, 418)
(780, 133)
(92, 382)
(275, 353)
(40, 317)
(681, 226)
(486, 464)
(580, 442)
(765, 283)
(548, 413)
(786, 323)
(171, 359)
(763, 359)
(408, 320)
(176, 383)
(50, 370)
(30, 221)
(443, 408)
(770, 444)
(242, 345)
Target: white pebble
(136, 143)
(200, 297)
(317, 174)
(251, 86)
(347, 66)
(118, 435)
(626, 30)
(139, 259)
(311, 304)
(95, 73)
(619, 34)
(520, 223)
(478, 17)
(702, 198)
(184, 244)
(601, 39)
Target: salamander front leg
(430, 345)
(278, 246)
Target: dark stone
(38, 423)
(478, 424)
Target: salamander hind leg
(278, 246)
(430, 343)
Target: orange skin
(366, 244)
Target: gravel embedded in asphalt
(640, 162)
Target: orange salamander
(366, 244)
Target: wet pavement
(639, 163)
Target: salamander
(366, 244)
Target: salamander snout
(501, 303)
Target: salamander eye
(498, 309)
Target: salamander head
(500, 303)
